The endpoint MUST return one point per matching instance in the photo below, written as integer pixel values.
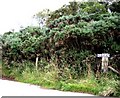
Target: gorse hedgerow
(94, 36)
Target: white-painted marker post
(36, 63)
(105, 61)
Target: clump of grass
(117, 91)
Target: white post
(36, 63)
(104, 64)
(105, 61)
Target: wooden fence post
(36, 63)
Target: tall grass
(51, 77)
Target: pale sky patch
(16, 13)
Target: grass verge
(50, 79)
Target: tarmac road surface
(13, 88)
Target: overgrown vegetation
(66, 49)
(49, 78)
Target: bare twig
(113, 70)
